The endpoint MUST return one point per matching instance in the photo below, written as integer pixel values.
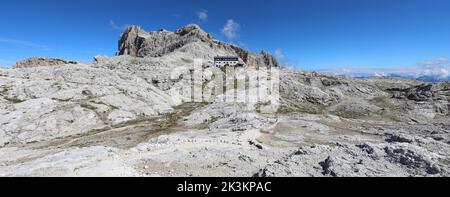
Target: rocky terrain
(133, 115)
(42, 61)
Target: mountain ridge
(135, 42)
(426, 74)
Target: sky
(305, 34)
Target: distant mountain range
(427, 74)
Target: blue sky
(310, 34)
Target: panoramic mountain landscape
(136, 114)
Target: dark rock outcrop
(130, 42)
(327, 166)
(424, 92)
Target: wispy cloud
(231, 29)
(243, 45)
(114, 26)
(281, 58)
(437, 62)
(279, 54)
(203, 16)
(24, 44)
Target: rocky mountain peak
(133, 28)
(189, 28)
(269, 60)
(128, 42)
(138, 43)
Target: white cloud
(230, 30)
(203, 15)
(437, 62)
(437, 73)
(429, 70)
(281, 58)
(114, 26)
(279, 54)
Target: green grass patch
(316, 109)
(62, 100)
(14, 100)
(223, 69)
(87, 106)
(4, 90)
(382, 102)
(88, 94)
(103, 103)
(348, 114)
(259, 105)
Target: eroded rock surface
(42, 61)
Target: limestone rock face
(264, 59)
(138, 43)
(100, 59)
(269, 60)
(129, 43)
(42, 61)
(426, 92)
(41, 103)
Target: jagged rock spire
(128, 42)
